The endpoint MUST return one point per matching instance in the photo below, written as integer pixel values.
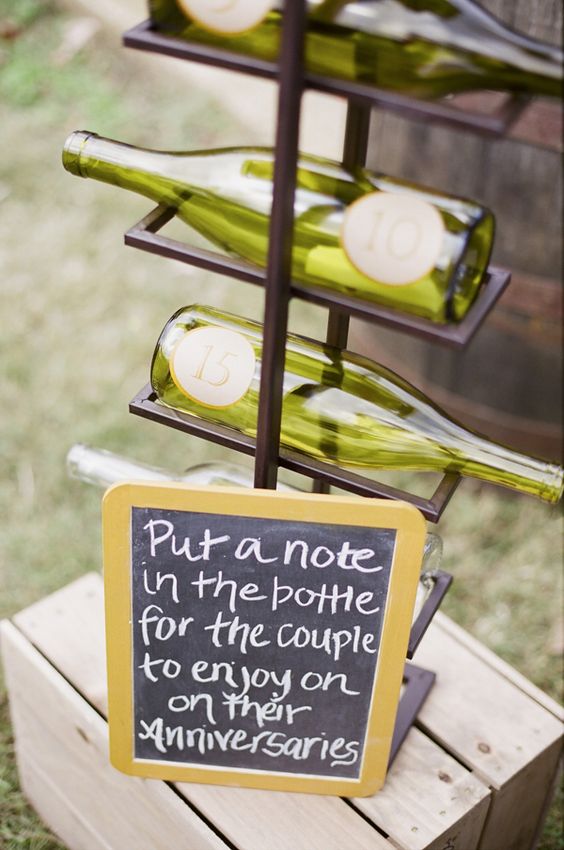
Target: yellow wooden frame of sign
(340, 510)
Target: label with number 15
(213, 366)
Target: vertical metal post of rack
(355, 148)
(278, 276)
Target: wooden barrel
(508, 383)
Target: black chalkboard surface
(251, 636)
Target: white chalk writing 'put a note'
(295, 552)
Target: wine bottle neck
(103, 468)
(86, 155)
(512, 469)
(89, 155)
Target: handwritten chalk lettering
(313, 681)
(165, 627)
(331, 642)
(261, 713)
(184, 548)
(243, 678)
(159, 581)
(274, 744)
(251, 547)
(330, 599)
(170, 668)
(255, 640)
(189, 702)
(247, 593)
(303, 748)
(237, 633)
(347, 558)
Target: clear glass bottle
(102, 468)
(374, 237)
(427, 48)
(337, 406)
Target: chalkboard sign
(256, 638)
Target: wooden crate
(476, 774)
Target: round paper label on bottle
(228, 17)
(213, 366)
(394, 239)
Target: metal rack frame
(293, 79)
(276, 279)
(497, 123)
(145, 404)
(145, 236)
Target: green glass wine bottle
(427, 48)
(373, 237)
(338, 407)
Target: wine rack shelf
(497, 121)
(145, 236)
(146, 405)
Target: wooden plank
(57, 729)
(71, 826)
(50, 625)
(255, 820)
(486, 720)
(452, 803)
(504, 669)
(68, 628)
(502, 733)
(517, 810)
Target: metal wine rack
(293, 79)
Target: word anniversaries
(255, 641)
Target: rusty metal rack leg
(417, 685)
(441, 584)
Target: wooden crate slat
(503, 730)
(46, 797)
(479, 650)
(51, 624)
(256, 820)
(454, 802)
(104, 808)
(508, 738)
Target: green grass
(81, 314)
